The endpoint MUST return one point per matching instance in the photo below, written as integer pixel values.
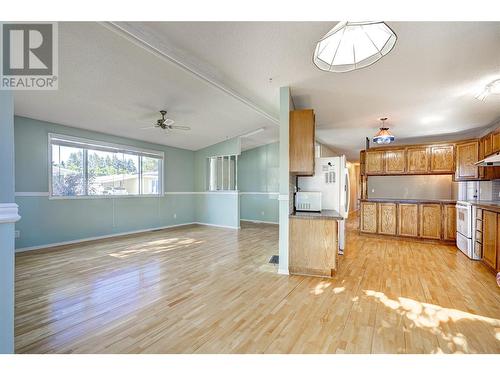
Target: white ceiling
(425, 85)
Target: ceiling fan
(166, 123)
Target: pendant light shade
(353, 45)
(383, 137)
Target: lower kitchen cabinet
(430, 221)
(449, 222)
(436, 221)
(313, 247)
(490, 238)
(387, 218)
(408, 219)
(368, 217)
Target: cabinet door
(495, 142)
(430, 221)
(374, 163)
(442, 159)
(450, 222)
(387, 218)
(487, 145)
(368, 217)
(490, 238)
(301, 135)
(395, 162)
(466, 155)
(418, 160)
(408, 219)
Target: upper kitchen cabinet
(395, 162)
(495, 142)
(467, 154)
(374, 162)
(442, 159)
(487, 145)
(301, 138)
(418, 160)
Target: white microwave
(308, 201)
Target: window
(221, 173)
(81, 168)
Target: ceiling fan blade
(179, 127)
(148, 127)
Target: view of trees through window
(81, 171)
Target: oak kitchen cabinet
(395, 162)
(313, 246)
(466, 155)
(449, 222)
(442, 159)
(487, 144)
(374, 162)
(368, 217)
(495, 142)
(387, 223)
(418, 160)
(408, 219)
(430, 220)
(302, 142)
(490, 238)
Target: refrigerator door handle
(347, 193)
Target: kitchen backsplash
(495, 190)
(411, 187)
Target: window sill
(106, 196)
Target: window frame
(87, 144)
(208, 171)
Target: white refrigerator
(331, 178)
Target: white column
(8, 216)
(284, 179)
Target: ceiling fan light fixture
(353, 45)
(492, 88)
(383, 136)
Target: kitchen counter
(404, 200)
(322, 215)
(492, 205)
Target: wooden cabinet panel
(408, 219)
(487, 145)
(374, 163)
(395, 161)
(490, 236)
(387, 218)
(495, 142)
(368, 217)
(442, 159)
(450, 222)
(302, 142)
(418, 160)
(466, 155)
(313, 247)
(430, 221)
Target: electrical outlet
(175, 216)
(17, 234)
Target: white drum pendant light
(353, 45)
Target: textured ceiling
(425, 86)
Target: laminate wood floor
(201, 289)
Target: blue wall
(216, 208)
(258, 182)
(46, 221)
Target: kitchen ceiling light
(383, 137)
(353, 45)
(491, 88)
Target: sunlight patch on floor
(156, 246)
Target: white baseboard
(39, 247)
(260, 221)
(216, 225)
(283, 271)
